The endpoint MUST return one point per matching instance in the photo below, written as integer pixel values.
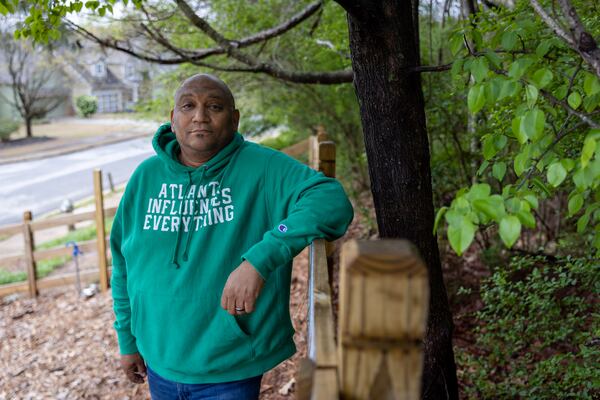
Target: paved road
(42, 185)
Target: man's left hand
(242, 289)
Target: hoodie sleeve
(305, 205)
(121, 303)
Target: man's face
(204, 119)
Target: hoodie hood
(167, 148)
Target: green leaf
(494, 59)
(520, 163)
(479, 191)
(574, 100)
(591, 102)
(492, 207)
(509, 39)
(542, 77)
(508, 88)
(499, 170)
(482, 167)
(526, 218)
(438, 218)
(489, 147)
(519, 67)
(540, 185)
(476, 98)
(532, 95)
(532, 124)
(589, 147)
(510, 229)
(461, 236)
(456, 68)
(575, 204)
(556, 174)
(516, 130)
(561, 92)
(582, 222)
(591, 85)
(532, 200)
(479, 69)
(456, 42)
(543, 48)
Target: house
(116, 79)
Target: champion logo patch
(282, 228)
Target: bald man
(202, 244)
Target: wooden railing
(383, 306)
(32, 256)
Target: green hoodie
(178, 234)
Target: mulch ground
(63, 347)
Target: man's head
(204, 118)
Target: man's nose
(201, 114)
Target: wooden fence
(383, 307)
(32, 256)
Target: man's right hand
(134, 367)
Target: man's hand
(242, 289)
(134, 367)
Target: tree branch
(256, 65)
(578, 39)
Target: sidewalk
(69, 135)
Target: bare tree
(36, 88)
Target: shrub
(7, 127)
(86, 105)
(538, 332)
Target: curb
(69, 150)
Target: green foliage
(86, 105)
(522, 85)
(537, 332)
(7, 127)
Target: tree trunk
(393, 117)
(28, 127)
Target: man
(202, 247)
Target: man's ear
(172, 122)
(235, 117)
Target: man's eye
(186, 106)
(215, 107)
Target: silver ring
(239, 309)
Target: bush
(86, 105)
(538, 332)
(7, 127)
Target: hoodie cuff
(127, 343)
(267, 255)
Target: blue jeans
(164, 389)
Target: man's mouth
(200, 131)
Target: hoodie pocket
(191, 336)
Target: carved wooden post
(100, 230)
(384, 298)
(29, 258)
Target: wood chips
(63, 347)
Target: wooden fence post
(326, 164)
(100, 230)
(29, 258)
(384, 298)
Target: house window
(108, 102)
(99, 69)
(129, 70)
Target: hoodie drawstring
(174, 261)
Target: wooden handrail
(322, 350)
